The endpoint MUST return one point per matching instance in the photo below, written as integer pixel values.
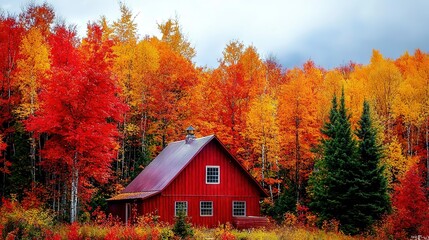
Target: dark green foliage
(374, 200)
(20, 176)
(347, 184)
(286, 202)
(181, 227)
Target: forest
(81, 117)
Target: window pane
(238, 208)
(181, 207)
(206, 208)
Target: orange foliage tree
(299, 122)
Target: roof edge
(133, 195)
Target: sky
(330, 32)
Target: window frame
(212, 209)
(233, 208)
(175, 207)
(218, 174)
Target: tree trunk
(263, 164)
(74, 191)
(427, 152)
(297, 158)
(33, 159)
(409, 139)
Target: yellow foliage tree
(32, 68)
(263, 132)
(299, 121)
(383, 81)
(172, 34)
(396, 164)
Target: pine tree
(372, 200)
(334, 181)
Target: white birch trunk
(74, 191)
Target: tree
(299, 123)
(333, 182)
(10, 40)
(383, 80)
(79, 110)
(32, 69)
(372, 201)
(38, 16)
(182, 228)
(172, 34)
(263, 132)
(410, 217)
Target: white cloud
(330, 32)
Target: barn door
(127, 213)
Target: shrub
(24, 223)
(182, 228)
(224, 232)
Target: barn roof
(166, 166)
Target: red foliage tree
(10, 39)
(78, 111)
(410, 217)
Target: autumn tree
(239, 78)
(171, 99)
(124, 35)
(172, 34)
(10, 39)
(32, 69)
(78, 111)
(263, 131)
(38, 16)
(383, 79)
(412, 104)
(299, 123)
(410, 217)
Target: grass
(17, 222)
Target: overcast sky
(330, 32)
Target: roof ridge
(194, 140)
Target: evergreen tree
(286, 202)
(372, 200)
(334, 182)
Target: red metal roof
(166, 166)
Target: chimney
(190, 137)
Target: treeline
(81, 117)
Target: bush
(23, 223)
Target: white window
(212, 174)
(181, 206)
(206, 208)
(238, 208)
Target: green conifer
(335, 181)
(373, 198)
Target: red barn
(198, 176)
